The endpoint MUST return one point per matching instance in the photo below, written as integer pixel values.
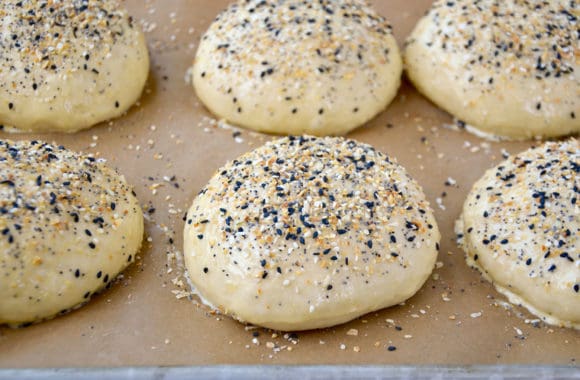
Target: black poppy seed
(392, 348)
(77, 273)
(92, 245)
(200, 236)
(565, 255)
(411, 226)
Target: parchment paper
(168, 146)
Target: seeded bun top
(309, 232)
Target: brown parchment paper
(168, 146)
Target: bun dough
(521, 228)
(507, 68)
(322, 68)
(68, 226)
(67, 65)
(308, 232)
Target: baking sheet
(168, 146)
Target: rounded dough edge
(235, 294)
(507, 111)
(553, 301)
(79, 99)
(259, 103)
(58, 268)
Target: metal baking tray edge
(299, 372)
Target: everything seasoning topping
(302, 202)
(51, 213)
(295, 44)
(532, 220)
(45, 38)
(536, 39)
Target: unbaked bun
(66, 65)
(521, 228)
(308, 232)
(506, 68)
(68, 226)
(293, 67)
